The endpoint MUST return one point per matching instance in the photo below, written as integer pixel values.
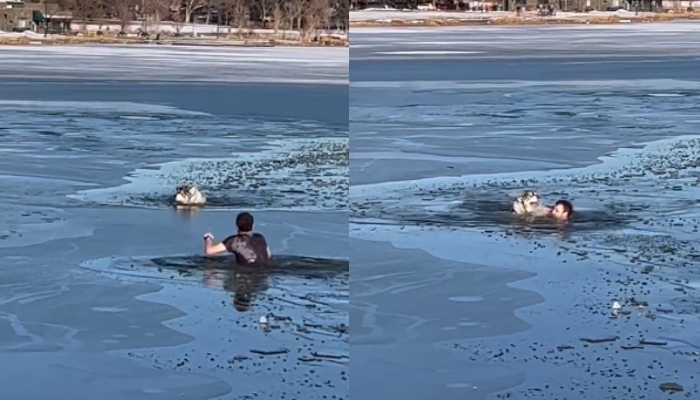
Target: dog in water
(527, 203)
(189, 196)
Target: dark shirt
(248, 248)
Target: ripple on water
(110, 309)
(466, 299)
(308, 280)
(460, 385)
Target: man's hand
(210, 248)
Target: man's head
(244, 222)
(563, 210)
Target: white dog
(189, 196)
(527, 203)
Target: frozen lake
(452, 294)
(102, 294)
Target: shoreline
(401, 19)
(223, 42)
(166, 33)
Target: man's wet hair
(244, 222)
(568, 207)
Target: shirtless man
(246, 246)
(562, 211)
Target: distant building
(15, 16)
(34, 15)
(680, 5)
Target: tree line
(305, 16)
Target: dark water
(325, 103)
(485, 214)
(551, 69)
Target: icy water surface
(451, 291)
(102, 293)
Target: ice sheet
(601, 43)
(151, 63)
(298, 174)
(250, 162)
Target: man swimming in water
(561, 211)
(246, 246)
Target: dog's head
(186, 190)
(529, 198)
(183, 190)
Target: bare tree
(124, 11)
(341, 14)
(158, 9)
(83, 10)
(294, 10)
(315, 15)
(143, 14)
(238, 12)
(219, 6)
(277, 15)
(263, 7)
(306, 17)
(210, 4)
(190, 6)
(178, 23)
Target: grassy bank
(248, 41)
(436, 19)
